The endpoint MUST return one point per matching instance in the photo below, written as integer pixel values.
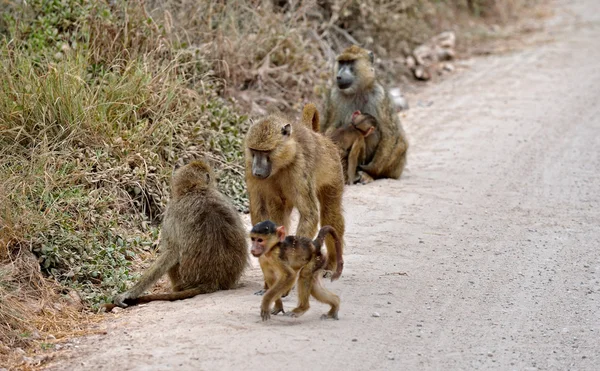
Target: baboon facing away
(203, 241)
(356, 89)
(290, 165)
(357, 143)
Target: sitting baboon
(290, 165)
(203, 241)
(356, 89)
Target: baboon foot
(329, 316)
(364, 178)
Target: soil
(485, 255)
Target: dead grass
(99, 103)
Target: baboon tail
(178, 295)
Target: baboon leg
(396, 166)
(175, 277)
(308, 208)
(325, 296)
(331, 214)
(283, 284)
(355, 158)
(258, 206)
(304, 287)
(270, 281)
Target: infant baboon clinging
(289, 165)
(291, 257)
(357, 143)
(203, 241)
(356, 89)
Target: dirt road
(496, 224)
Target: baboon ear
(371, 56)
(281, 233)
(286, 130)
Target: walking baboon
(357, 143)
(356, 89)
(203, 241)
(291, 257)
(289, 165)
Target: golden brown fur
(356, 89)
(357, 143)
(203, 241)
(289, 165)
(286, 258)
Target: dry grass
(99, 103)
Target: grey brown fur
(203, 241)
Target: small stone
(354, 340)
(117, 310)
(375, 314)
(390, 357)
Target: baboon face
(354, 70)
(269, 147)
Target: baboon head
(364, 123)
(270, 146)
(193, 177)
(354, 70)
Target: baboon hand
(119, 300)
(265, 314)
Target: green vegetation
(100, 101)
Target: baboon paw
(327, 274)
(265, 315)
(365, 178)
(260, 292)
(329, 316)
(119, 300)
(276, 311)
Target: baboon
(356, 89)
(357, 143)
(291, 257)
(289, 165)
(203, 241)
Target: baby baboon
(286, 258)
(203, 241)
(357, 143)
(356, 89)
(289, 165)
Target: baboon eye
(260, 240)
(252, 239)
(371, 57)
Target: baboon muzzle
(261, 166)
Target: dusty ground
(496, 223)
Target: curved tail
(177, 295)
(323, 232)
(310, 117)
